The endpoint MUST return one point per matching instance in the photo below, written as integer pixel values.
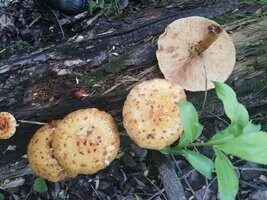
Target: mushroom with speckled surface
(189, 44)
(86, 141)
(151, 115)
(7, 125)
(41, 158)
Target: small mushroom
(189, 44)
(7, 125)
(86, 141)
(151, 115)
(41, 158)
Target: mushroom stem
(214, 32)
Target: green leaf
(39, 185)
(201, 163)
(224, 135)
(189, 119)
(165, 151)
(226, 175)
(168, 150)
(2, 197)
(251, 128)
(236, 112)
(92, 6)
(13, 190)
(231, 131)
(251, 147)
(136, 197)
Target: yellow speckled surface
(7, 125)
(150, 113)
(40, 155)
(86, 141)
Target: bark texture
(40, 86)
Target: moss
(235, 16)
(19, 46)
(254, 86)
(229, 17)
(117, 64)
(96, 77)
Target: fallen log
(35, 86)
(40, 86)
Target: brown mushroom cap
(150, 113)
(7, 125)
(179, 65)
(41, 158)
(86, 141)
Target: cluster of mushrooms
(87, 140)
(84, 142)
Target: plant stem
(198, 144)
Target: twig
(31, 122)
(3, 50)
(170, 180)
(34, 21)
(29, 193)
(96, 192)
(187, 174)
(258, 92)
(252, 185)
(206, 191)
(206, 84)
(178, 169)
(62, 32)
(251, 169)
(157, 193)
(157, 188)
(218, 117)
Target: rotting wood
(169, 177)
(242, 77)
(22, 76)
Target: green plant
(2, 197)
(17, 46)
(13, 190)
(112, 6)
(39, 185)
(241, 138)
(251, 2)
(94, 5)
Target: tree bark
(35, 86)
(40, 86)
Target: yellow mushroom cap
(150, 113)
(7, 125)
(175, 57)
(41, 158)
(86, 141)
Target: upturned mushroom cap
(41, 158)
(150, 113)
(178, 62)
(86, 141)
(7, 125)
